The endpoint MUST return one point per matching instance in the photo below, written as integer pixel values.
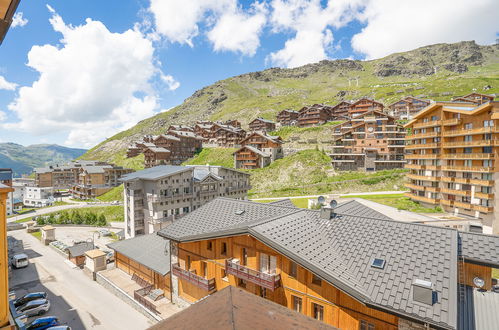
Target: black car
(29, 297)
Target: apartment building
(287, 117)
(341, 110)
(371, 141)
(475, 98)
(232, 122)
(228, 136)
(38, 196)
(157, 196)
(452, 154)
(314, 115)
(407, 107)
(62, 176)
(94, 181)
(364, 105)
(203, 130)
(262, 125)
(6, 178)
(258, 150)
(350, 267)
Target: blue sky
(138, 57)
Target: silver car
(35, 307)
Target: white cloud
(18, 20)
(93, 85)
(3, 116)
(229, 27)
(395, 27)
(170, 82)
(4, 84)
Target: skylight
(378, 263)
(239, 212)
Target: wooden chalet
(154, 156)
(287, 117)
(340, 110)
(228, 136)
(407, 107)
(476, 98)
(263, 125)
(232, 122)
(133, 150)
(258, 150)
(203, 130)
(364, 105)
(183, 128)
(250, 158)
(316, 114)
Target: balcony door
(268, 263)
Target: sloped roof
(148, 250)
(480, 248)
(159, 150)
(340, 250)
(201, 173)
(283, 202)
(235, 309)
(273, 138)
(154, 173)
(264, 120)
(255, 150)
(80, 249)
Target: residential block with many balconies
(452, 154)
(371, 141)
(157, 196)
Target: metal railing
(265, 280)
(200, 282)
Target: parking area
(75, 299)
(71, 234)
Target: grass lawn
(299, 202)
(398, 201)
(37, 234)
(115, 194)
(213, 156)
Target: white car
(19, 261)
(35, 307)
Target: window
(204, 269)
(318, 311)
(188, 263)
(224, 275)
(487, 136)
(468, 126)
(293, 269)
(487, 150)
(244, 257)
(297, 303)
(468, 138)
(487, 163)
(316, 280)
(224, 249)
(378, 263)
(263, 292)
(241, 283)
(468, 150)
(268, 264)
(364, 325)
(209, 246)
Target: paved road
(76, 299)
(54, 209)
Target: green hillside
(213, 156)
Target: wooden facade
(477, 97)
(287, 117)
(258, 150)
(364, 105)
(263, 125)
(407, 107)
(228, 136)
(316, 114)
(341, 110)
(296, 288)
(250, 158)
(132, 267)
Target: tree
(101, 221)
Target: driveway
(76, 300)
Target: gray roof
(159, 149)
(265, 120)
(154, 173)
(148, 250)
(80, 249)
(255, 150)
(201, 173)
(341, 250)
(96, 169)
(480, 248)
(283, 202)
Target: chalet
(133, 150)
(258, 150)
(228, 136)
(287, 117)
(316, 114)
(76, 253)
(232, 122)
(476, 97)
(407, 107)
(154, 156)
(180, 128)
(96, 180)
(263, 125)
(364, 105)
(340, 110)
(371, 141)
(350, 267)
(203, 130)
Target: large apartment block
(407, 107)
(94, 181)
(371, 141)
(452, 154)
(62, 176)
(157, 196)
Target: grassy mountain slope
(23, 159)
(438, 72)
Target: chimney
(422, 291)
(327, 212)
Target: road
(75, 299)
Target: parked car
(60, 327)
(35, 307)
(29, 297)
(105, 232)
(19, 261)
(42, 323)
(109, 256)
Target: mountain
(439, 72)
(23, 159)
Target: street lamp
(7, 10)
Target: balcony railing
(200, 282)
(451, 122)
(468, 169)
(423, 146)
(483, 209)
(455, 192)
(415, 166)
(422, 199)
(422, 156)
(477, 182)
(422, 177)
(483, 195)
(473, 155)
(421, 188)
(428, 124)
(477, 143)
(268, 281)
(459, 132)
(422, 135)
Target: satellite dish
(479, 282)
(321, 199)
(333, 204)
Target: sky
(77, 72)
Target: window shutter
(273, 264)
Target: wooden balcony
(447, 202)
(483, 209)
(476, 182)
(460, 132)
(468, 169)
(268, 281)
(427, 124)
(200, 282)
(451, 122)
(246, 157)
(480, 182)
(455, 192)
(483, 195)
(476, 143)
(422, 156)
(422, 177)
(463, 205)
(422, 135)
(422, 188)
(473, 155)
(422, 199)
(422, 146)
(415, 166)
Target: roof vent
(378, 263)
(327, 212)
(422, 291)
(239, 212)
